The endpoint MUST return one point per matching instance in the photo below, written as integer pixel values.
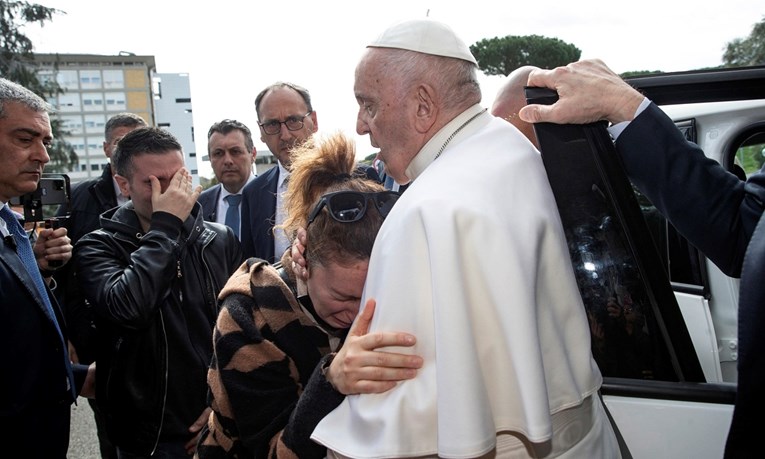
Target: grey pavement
(83, 442)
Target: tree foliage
(747, 51)
(15, 65)
(500, 56)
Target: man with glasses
(232, 155)
(286, 119)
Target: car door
(663, 318)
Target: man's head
(25, 135)
(511, 98)
(116, 128)
(141, 154)
(232, 153)
(286, 119)
(412, 80)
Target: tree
(743, 52)
(16, 65)
(500, 56)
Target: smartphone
(52, 190)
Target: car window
(750, 155)
(682, 261)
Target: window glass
(114, 79)
(68, 79)
(68, 102)
(93, 101)
(750, 156)
(683, 263)
(94, 124)
(90, 79)
(115, 101)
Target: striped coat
(266, 388)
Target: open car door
(660, 314)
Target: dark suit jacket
(259, 216)
(90, 198)
(209, 201)
(34, 399)
(723, 217)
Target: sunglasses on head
(351, 206)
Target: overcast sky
(234, 48)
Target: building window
(92, 101)
(67, 79)
(90, 79)
(114, 79)
(68, 102)
(94, 124)
(115, 101)
(94, 167)
(183, 100)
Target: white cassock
(473, 262)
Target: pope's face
(386, 114)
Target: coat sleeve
(711, 207)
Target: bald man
(511, 98)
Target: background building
(97, 87)
(172, 105)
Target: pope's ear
(427, 109)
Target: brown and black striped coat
(266, 388)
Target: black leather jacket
(154, 295)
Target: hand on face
(359, 368)
(179, 197)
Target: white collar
(459, 126)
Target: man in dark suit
(232, 155)
(41, 383)
(286, 119)
(716, 211)
(91, 198)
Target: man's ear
(315, 121)
(427, 109)
(123, 184)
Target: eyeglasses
(293, 123)
(351, 206)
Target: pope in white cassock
(473, 262)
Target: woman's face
(335, 291)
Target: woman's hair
(322, 166)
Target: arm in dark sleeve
(317, 400)
(127, 290)
(248, 246)
(710, 206)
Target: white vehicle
(663, 317)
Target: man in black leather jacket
(152, 273)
